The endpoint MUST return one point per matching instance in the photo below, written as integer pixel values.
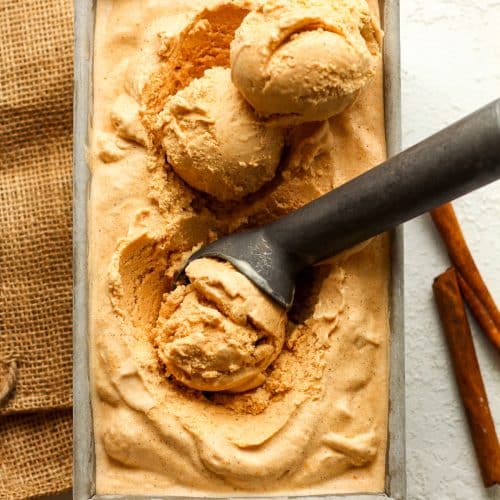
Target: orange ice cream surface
(209, 388)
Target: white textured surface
(451, 65)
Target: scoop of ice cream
(220, 332)
(304, 60)
(214, 140)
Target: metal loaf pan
(83, 447)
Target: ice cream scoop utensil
(447, 165)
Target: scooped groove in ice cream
(215, 142)
(304, 60)
(220, 332)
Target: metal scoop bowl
(447, 165)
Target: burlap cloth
(36, 73)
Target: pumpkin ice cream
(220, 332)
(208, 388)
(215, 141)
(305, 60)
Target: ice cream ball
(214, 140)
(220, 332)
(304, 60)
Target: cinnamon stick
(475, 290)
(479, 312)
(467, 373)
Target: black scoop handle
(449, 164)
